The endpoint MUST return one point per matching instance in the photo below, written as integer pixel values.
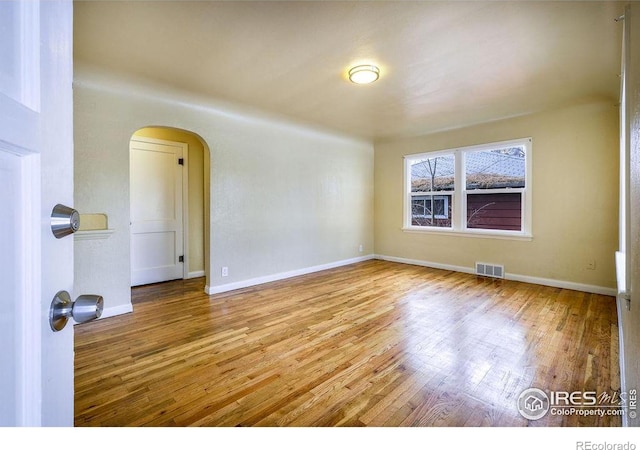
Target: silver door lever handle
(84, 309)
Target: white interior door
(36, 173)
(157, 231)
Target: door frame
(30, 326)
(185, 193)
(23, 145)
(28, 289)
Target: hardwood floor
(371, 344)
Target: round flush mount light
(364, 74)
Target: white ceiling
(443, 64)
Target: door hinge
(181, 161)
(181, 258)
(626, 296)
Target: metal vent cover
(490, 270)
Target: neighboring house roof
(496, 164)
(444, 167)
(496, 168)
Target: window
(430, 175)
(482, 189)
(430, 206)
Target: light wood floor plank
(370, 344)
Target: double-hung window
(431, 190)
(480, 190)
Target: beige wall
(283, 197)
(575, 198)
(195, 162)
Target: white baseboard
(282, 275)
(195, 274)
(563, 284)
(433, 265)
(509, 276)
(114, 311)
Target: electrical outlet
(591, 265)
(225, 271)
(361, 248)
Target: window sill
(469, 234)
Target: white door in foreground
(36, 173)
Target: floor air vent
(489, 270)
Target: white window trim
(459, 194)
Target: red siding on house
(495, 211)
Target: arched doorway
(168, 164)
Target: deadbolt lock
(64, 221)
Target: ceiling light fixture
(364, 74)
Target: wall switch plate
(225, 271)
